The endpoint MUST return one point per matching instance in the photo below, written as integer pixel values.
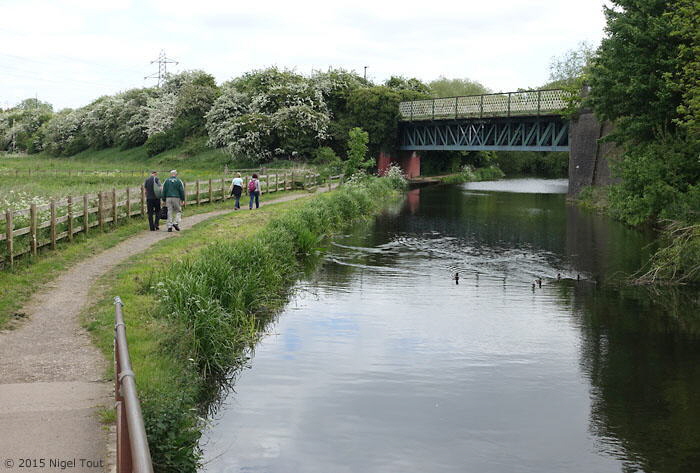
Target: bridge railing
(506, 104)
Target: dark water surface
(381, 363)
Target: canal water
(382, 362)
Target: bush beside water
(217, 302)
(469, 174)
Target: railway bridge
(530, 120)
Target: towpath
(52, 376)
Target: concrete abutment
(408, 160)
(588, 157)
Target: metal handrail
(133, 454)
(450, 106)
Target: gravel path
(51, 375)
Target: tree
(644, 78)
(376, 110)
(401, 83)
(630, 77)
(269, 113)
(570, 68)
(685, 21)
(20, 126)
(63, 134)
(336, 86)
(357, 151)
(444, 87)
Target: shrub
(157, 143)
(678, 261)
(469, 174)
(357, 152)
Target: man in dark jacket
(153, 195)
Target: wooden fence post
(32, 228)
(86, 214)
(196, 187)
(223, 189)
(329, 183)
(70, 218)
(128, 204)
(114, 207)
(143, 201)
(210, 192)
(277, 181)
(291, 187)
(100, 219)
(9, 236)
(52, 207)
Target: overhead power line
(163, 62)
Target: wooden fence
(26, 231)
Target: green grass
(195, 304)
(134, 159)
(117, 169)
(16, 184)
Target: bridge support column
(588, 158)
(408, 160)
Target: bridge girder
(521, 133)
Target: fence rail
(27, 230)
(133, 454)
(507, 104)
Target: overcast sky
(69, 52)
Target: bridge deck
(507, 104)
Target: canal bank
(195, 303)
(382, 362)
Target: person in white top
(237, 190)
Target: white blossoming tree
(20, 125)
(269, 113)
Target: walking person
(174, 198)
(254, 191)
(154, 192)
(237, 190)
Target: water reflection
(382, 363)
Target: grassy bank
(194, 308)
(101, 170)
(60, 177)
(469, 174)
(191, 158)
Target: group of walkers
(253, 191)
(169, 198)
